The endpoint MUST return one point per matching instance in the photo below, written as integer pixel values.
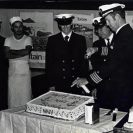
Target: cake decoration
(59, 105)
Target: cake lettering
(59, 105)
(34, 108)
(48, 111)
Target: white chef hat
(15, 19)
(64, 19)
(106, 9)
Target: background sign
(39, 26)
(37, 59)
(83, 25)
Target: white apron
(19, 83)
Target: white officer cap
(15, 19)
(104, 10)
(64, 19)
(98, 22)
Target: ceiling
(62, 4)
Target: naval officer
(120, 67)
(65, 57)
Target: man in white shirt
(17, 49)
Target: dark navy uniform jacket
(98, 59)
(102, 55)
(65, 62)
(120, 71)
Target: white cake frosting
(59, 105)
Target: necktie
(66, 39)
(108, 42)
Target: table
(17, 120)
(119, 127)
(37, 72)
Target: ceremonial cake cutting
(59, 105)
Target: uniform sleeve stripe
(95, 77)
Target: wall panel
(6, 14)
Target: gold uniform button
(64, 77)
(63, 69)
(111, 47)
(97, 72)
(73, 68)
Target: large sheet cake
(60, 105)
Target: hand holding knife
(81, 82)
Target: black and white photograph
(66, 66)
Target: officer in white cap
(64, 19)
(65, 24)
(65, 56)
(103, 45)
(97, 23)
(104, 10)
(119, 69)
(115, 11)
(100, 51)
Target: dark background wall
(61, 4)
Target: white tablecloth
(17, 120)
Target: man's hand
(79, 82)
(90, 51)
